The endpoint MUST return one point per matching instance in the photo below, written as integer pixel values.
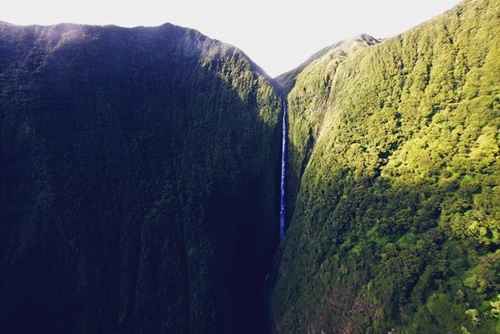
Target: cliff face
(140, 172)
(307, 103)
(137, 184)
(394, 155)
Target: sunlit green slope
(396, 224)
(312, 82)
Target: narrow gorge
(155, 180)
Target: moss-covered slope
(137, 181)
(396, 224)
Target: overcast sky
(276, 34)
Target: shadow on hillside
(137, 195)
(367, 252)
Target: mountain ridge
(217, 45)
(286, 80)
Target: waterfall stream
(284, 165)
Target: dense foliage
(396, 224)
(307, 104)
(340, 50)
(137, 184)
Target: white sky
(276, 34)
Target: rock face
(138, 181)
(394, 181)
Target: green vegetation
(137, 185)
(396, 224)
(307, 102)
(139, 182)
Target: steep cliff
(140, 182)
(395, 153)
(137, 184)
(307, 103)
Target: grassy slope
(137, 184)
(396, 223)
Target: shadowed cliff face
(138, 181)
(394, 179)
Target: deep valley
(155, 180)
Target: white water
(284, 165)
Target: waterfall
(284, 163)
